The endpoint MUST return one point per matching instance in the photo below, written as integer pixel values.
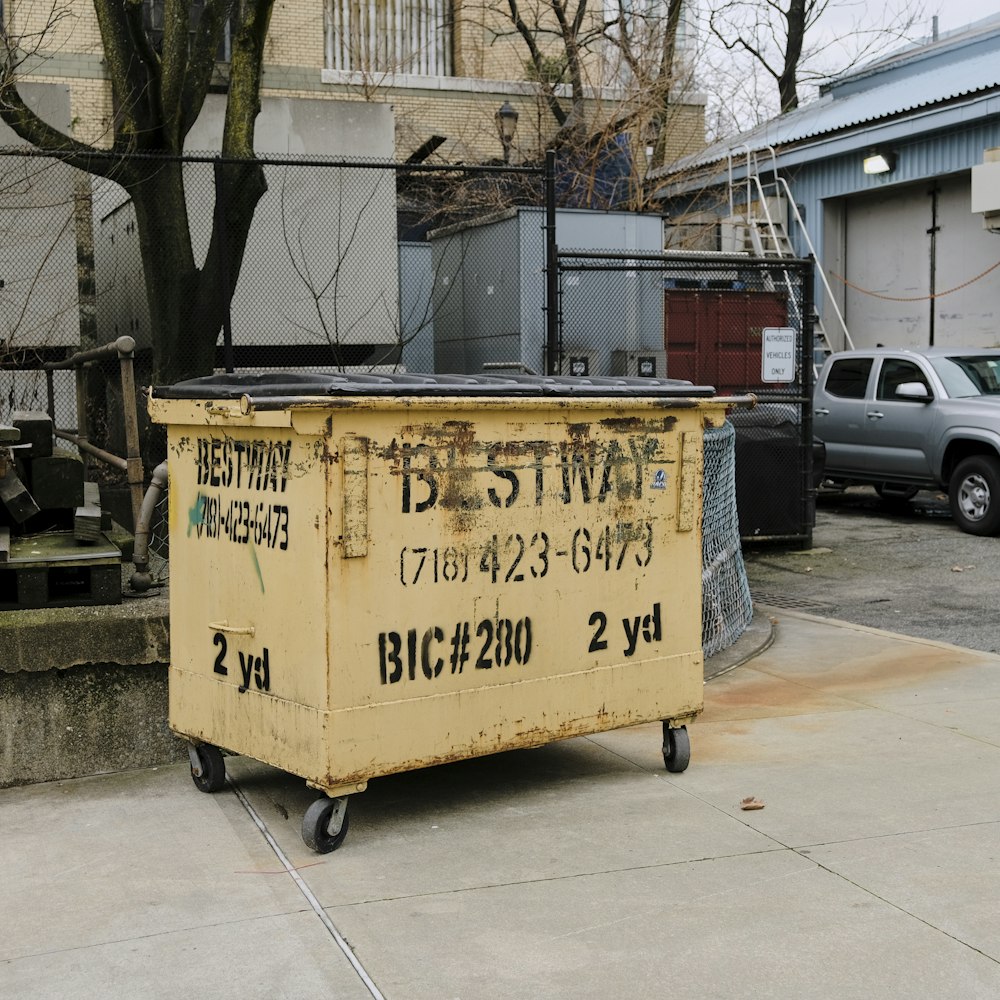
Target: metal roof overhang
(905, 127)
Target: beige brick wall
(487, 50)
(295, 37)
(47, 27)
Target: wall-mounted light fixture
(880, 162)
(506, 119)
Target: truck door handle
(822, 412)
(874, 415)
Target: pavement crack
(553, 879)
(899, 833)
(152, 935)
(902, 909)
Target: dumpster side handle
(224, 626)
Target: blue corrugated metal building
(902, 258)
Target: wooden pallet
(54, 571)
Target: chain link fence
(346, 265)
(740, 324)
(367, 266)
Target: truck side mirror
(916, 391)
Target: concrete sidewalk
(578, 870)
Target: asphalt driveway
(906, 568)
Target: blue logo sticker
(659, 480)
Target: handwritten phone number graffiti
(515, 558)
(415, 652)
(241, 521)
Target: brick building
(445, 66)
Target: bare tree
(785, 41)
(645, 41)
(160, 77)
(556, 35)
(605, 71)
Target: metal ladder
(769, 237)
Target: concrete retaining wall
(84, 691)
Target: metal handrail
(782, 189)
(131, 465)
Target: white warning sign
(777, 356)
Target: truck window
(972, 375)
(896, 371)
(848, 377)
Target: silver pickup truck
(906, 419)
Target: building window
(389, 36)
(152, 21)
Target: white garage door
(894, 261)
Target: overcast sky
(959, 13)
(740, 95)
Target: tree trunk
(788, 91)
(187, 303)
(665, 80)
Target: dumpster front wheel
(325, 823)
(208, 768)
(676, 748)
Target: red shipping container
(713, 337)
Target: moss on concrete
(133, 632)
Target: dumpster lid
(295, 384)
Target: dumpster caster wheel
(325, 824)
(208, 769)
(676, 748)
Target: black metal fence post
(551, 268)
(808, 338)
(220, 229)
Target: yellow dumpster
(371, 574)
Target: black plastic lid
(291, 384)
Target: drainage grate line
(313, 902)
(792, 603)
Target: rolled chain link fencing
(367, 267)
(726, 604)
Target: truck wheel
(974, 495)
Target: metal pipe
(807, 380)
(674, 260)
(82, 423)
(552, 358)
(50, 394)
(84, 445)
(133, 466)
(140, 580)
(123, 345)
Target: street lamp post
(506, 119)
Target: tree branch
(538, 61)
